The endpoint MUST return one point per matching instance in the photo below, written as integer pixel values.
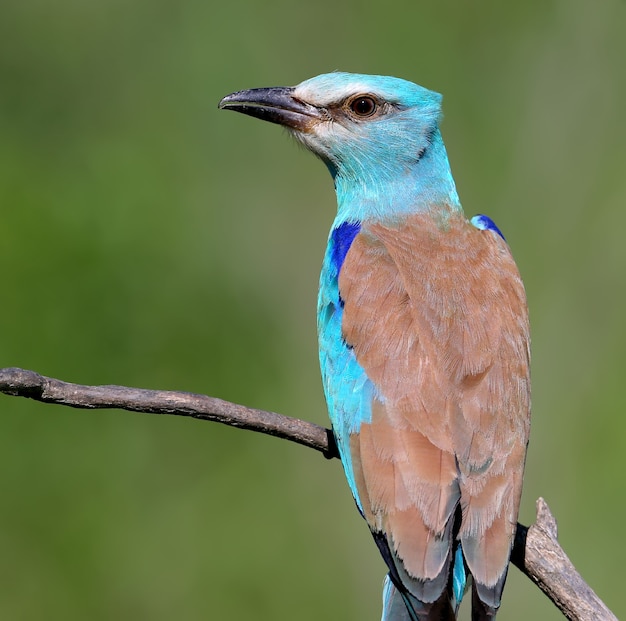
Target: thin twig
(536, 552)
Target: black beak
(276, 105)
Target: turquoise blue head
(370, 123)
(376, 133)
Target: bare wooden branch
(23, 383)
(536, 552)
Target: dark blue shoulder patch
(341, 239)
(484, 223)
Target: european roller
(423, 340)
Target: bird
(424, 342)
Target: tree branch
(536, 552)
(23, 383)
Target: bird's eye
(363, 106)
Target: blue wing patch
(484, 223)
(341, 239)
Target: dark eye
(363, 105)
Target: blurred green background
(148, 239)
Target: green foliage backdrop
(147, 239)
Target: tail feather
(394, 608)
(426, 591)
(490, 596)
(402, 606)
(408, 599)
(459, 578)
(480, 610)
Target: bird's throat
(394, 190)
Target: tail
(403, 607)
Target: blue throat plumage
(424, 184)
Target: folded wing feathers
(446, 349)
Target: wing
(434, 313)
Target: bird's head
(373, 132)
(351, 121)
